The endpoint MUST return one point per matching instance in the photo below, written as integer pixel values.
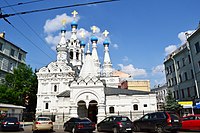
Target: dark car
(116, 124)
(159, 122)
(79, 125)
(191, 122)
(10, 123)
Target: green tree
(171, 103)
(20, 88)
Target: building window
(20, 56)
(183, 95)
(174, 94)
(12, 52)
(178, 65)
(189, 59)
(177, 94)
(71, 55)
(180, 78)
(55, 88)
(192, 75)
(188, 91)
(199, 64)
(167, 69)
(183, 60)
(46, 105)
(77, 54)
(175, 82)
(170, 69)
(197, 47)
(1, 46)
(112, 110)
(185, 73)
(135, 107)
(195, 91)
(145, 105)
(173, 69)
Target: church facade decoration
(76, 86)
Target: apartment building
(182, 68)
(161, 94)
(10, 56)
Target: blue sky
(142, 32)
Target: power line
(21, 3)
(28, 26)
(54, 8)
(26, 38)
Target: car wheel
(99, 129)
(73, 130)
(136, 128)
(159, 129)
(115, 130)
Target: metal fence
(62, 117)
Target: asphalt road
(27, 129)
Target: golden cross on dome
(105, 33)
(64, 21)
(94, 28)
(82, 34)
(74, 13)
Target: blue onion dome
(74, 24)
(106, 42)
(82, 43)
(63, 29)
(94, 38)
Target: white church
(77, 84)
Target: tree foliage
(171, 103)
(20, 88)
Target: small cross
(82, 34)
(74, 13)
(64, 21)
(105, 33)
(94, 28)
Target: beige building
(10, 56)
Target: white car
(42, 124)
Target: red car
(191, 122)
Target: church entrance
(90, 112)
(93, 111)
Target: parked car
(10, 123)
(191, 122)
(159, 122)
(42, 124)
(75, 125)
(116, 124)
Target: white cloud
(159, 69)
(130, 69)
(125, 59)
(182, 36)
(115, 46)
(169, 49)
(52, 25)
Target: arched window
(71, 55)
(55, 88)
(46, 105)
(135, 107)
(77, 54)
(112, 110)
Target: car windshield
(11, 119)
(122, 119)
(85, 120)
(174, 116)
(43, 119)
